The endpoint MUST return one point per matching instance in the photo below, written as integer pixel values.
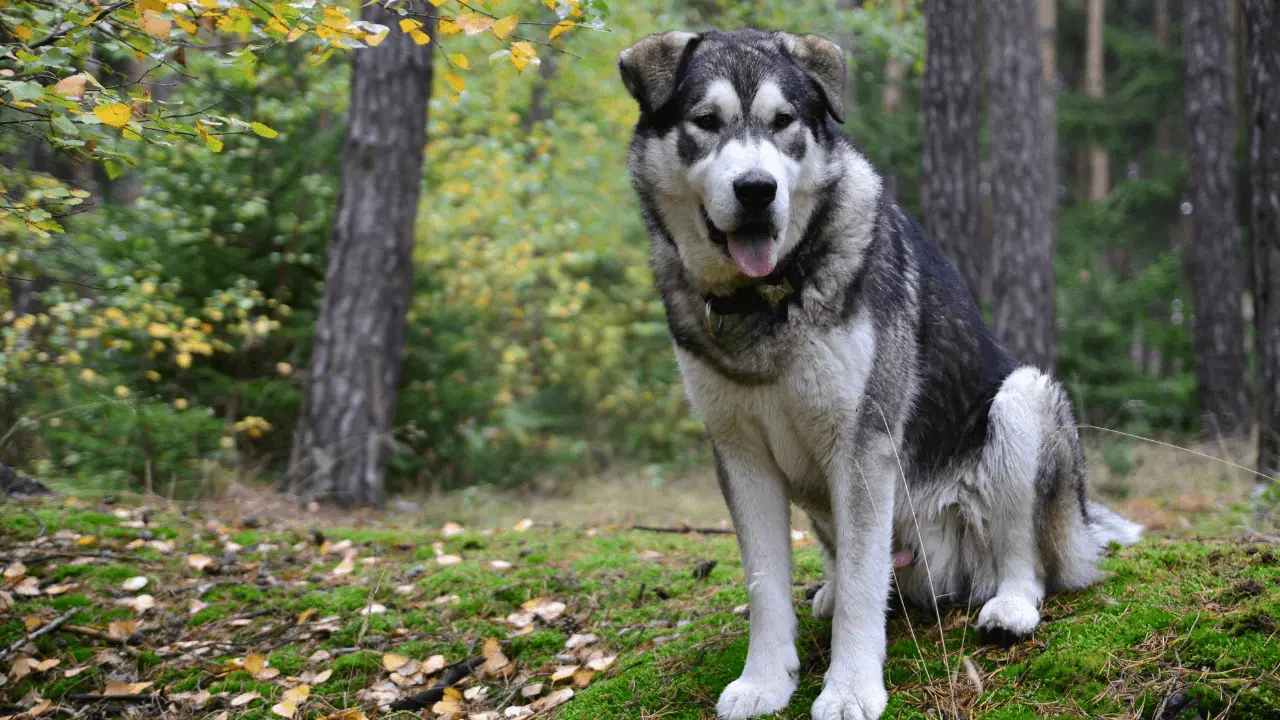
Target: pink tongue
(752, 255)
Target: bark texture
(1213, 260)
(349, 398)
(1262, 104)
(1095, 87)
(1022, 237)
(949, 103)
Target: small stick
(454, 674)
(86, 698)
(57, 622)
(683, 530)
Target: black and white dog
(839, 363)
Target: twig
(56, 281)
(453, 674)
(61, 33)
(54, 625)
(34, 560)
(683, 530)
(86, 698)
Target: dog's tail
(1107, 526)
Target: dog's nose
(755, 191)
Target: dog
(839, 363)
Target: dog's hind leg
(757, 498)
(824, 601)
(1008, 474)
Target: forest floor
(242, 609)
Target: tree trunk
(848, 41)
(1095, 87)
(349, 399)
(1049, 109)
(1213, 263)
(1164, 37)
(1022, 241)
(893, 100)
(949, 103)
(1262, 106)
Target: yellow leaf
(285, 708)
(336, 18)
(551, 4)
(438, 3)
(155, 26)
(213, 143)
(456, 82)
(114, 114)
(446, 705)
(504, 27)
(23, 32)
(297, 32)
(561, 28)
(391, 662)
(473, 23)
(460, 60)
(122, 629)
(409, 25)
(255, 663)
(187, 26)
(520, 62)
(525, 50)
(447, 27)
(376, 40)
(153, 5)
(420, 37)
(298, 694)
(260, 129)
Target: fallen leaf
(346, 566)
(564, 672)
(15, 571)
(255, 663)
(72, 672)
(143, 603)
(554, 700)
(29, 587)
(134, 584)
(500, 565)
(117, 687)
(434, 664)
(374, 609)
(244, 698)
(60, 589)
(576, 641)
(31, 622)
(302, 616)
(392, 662)
(599, 661)
(122, 629)
(199, 562)
(533, 690)
(523, 525)
(582, 678)
(319, 656)
(448, 559)
(298, 695)
(38, 709)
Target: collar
(762, 296)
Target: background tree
(949, 105)
(1262, 106)
(1095, 87)
(1022, 239)
(344, 433)
(1213, 260)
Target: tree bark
(949, 103)
(1049, 109)
(848, 41)
(349, 397)
(1164, 38)
(1262, 107)
(1213, 263)
(893, 100)
(1095, 87)
(1022, 240)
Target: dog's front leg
(862, 490)
(757, 497)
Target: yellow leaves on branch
(260, 129)
(72, 86)
(504, 27)
(460, 60)
(522, 55)
(456, 82)
(114, 114)
(154, 25)
(413, 28)
(473, 23)
(561, 28)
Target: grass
(1200, 617)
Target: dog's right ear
(651, 67)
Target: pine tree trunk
(1164, 38)
(1049, 109)
(1213, 263)
(1022, 241)
(1095, 87)
(349, 397)
(949, 103)
(1262, 106)
(848, 41)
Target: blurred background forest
(162, 286)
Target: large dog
(839, 363)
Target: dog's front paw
(748, 698)
(1007, 619)
(846, 702)
(824, 602)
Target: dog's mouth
(750, 246)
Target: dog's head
(733, 141)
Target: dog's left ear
(824, 62)
(650, 69)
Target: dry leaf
(524, 524)
(122, 629)
(199, 563)
(391, 662)
(284, 708)
(582, 678)
(533, 690)
(449, 559)
(298, 694)
(60, 589)
(255, 663)
(434, 664)
(134, 584)
(31, 622)
(554, 700)
(347, 565)
(500, 565)
(244, 698)
(143, 603)
(15, 571)
(29, 587)
(576, 641)
(452, 529)
(116, 687)
(302, 616)
(38, 709)
(564, 672)
(599, 661)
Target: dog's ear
(650, 69)
(824, 62)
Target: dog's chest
(798, 421)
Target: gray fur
(839, 364)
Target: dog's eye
(783, 121)
(707, 121)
